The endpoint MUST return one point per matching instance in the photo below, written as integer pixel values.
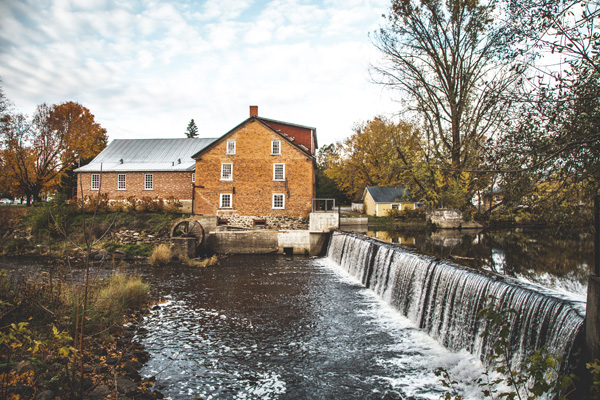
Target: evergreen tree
(192, 130)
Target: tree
(192, 130)
(556, 137)
(378, 153)
(327, 188)
(449, 62)
(38, 153)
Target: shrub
(207, 262)
(161, 255)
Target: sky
(146, 68)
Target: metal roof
(129, 155)
(388, 194)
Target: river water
(267, 327)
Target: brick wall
(252, 186)
(165, 185)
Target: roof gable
(383, 194)
(298, 146)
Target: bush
(51, 218)
(161, 255)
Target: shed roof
(134, 155)
(383, 194)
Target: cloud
(145, 68)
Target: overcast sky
(145, 68)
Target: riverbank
(47, 352)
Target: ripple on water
(261, 327)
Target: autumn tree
(327, 188)
(39, 152)
(379, 152)
(553, 141)
(192, 130)
(449, 62)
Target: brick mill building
(260, 172)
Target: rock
(101, 392)
(111, 360)
(45, 395)
(24, 390)
(132, 367)
(23, 366)
(126, 386)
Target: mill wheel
(188, 228)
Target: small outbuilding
(380, 201)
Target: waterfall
(444, 299)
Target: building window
(227, 172)
(279, 172)
(278, 201)
(193, 177)
(121, 182)
(230, 147)
(275, 147)
(395, 206)
(225, 200)
(148, 182)
(95, 182)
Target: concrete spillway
(444, 300)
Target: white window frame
(95, 182)
(397, 205)
(230, 147)
(148, 178)
(282, 207)
(124, 182)
(281, 176)
(222, 197)
(275, 147)
(193, 177)
(224, 177)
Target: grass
(160, 256)
(120, 294)
(207, 262)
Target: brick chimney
(254, 111)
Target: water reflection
(559, 260)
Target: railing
(323, 205)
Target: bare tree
(451, 63)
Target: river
(268, 327)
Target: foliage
(39, 152)
(594, 368)
(51, 217)
(554, 136)
(160, 256)
(450, 63)
(192, 130)
(327, 188)
(378, 153)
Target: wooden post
(597, 235)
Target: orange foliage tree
(38, 153)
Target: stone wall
(127, 236)
(271, 222)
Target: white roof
(138, 155)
